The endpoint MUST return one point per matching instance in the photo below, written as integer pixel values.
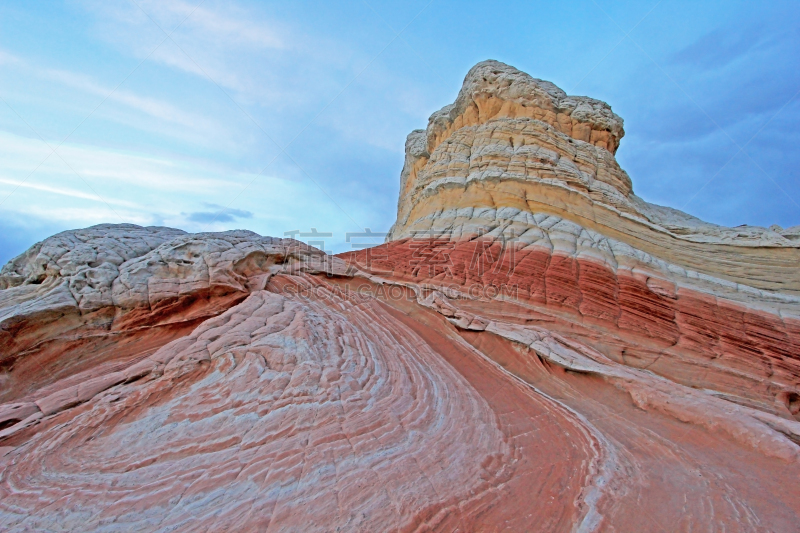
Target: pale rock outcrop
(130, 267)
(116, 280)
(71, 253)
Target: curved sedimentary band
(762, 260)
(694, 328)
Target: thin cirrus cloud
(217, 213)
(285, 75)
(160, 110)
(150, 106)
(719, 139)
(228, 24)
(235, 26)
(719, 47)
(7, 58)
(106, 167)
(213, 35)
(63, 191)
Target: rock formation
(534, 348)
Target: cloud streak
(155, 108)
(71, 193)
(218, 213)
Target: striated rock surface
(513, 144)
(534, 348)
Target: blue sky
(281, 116)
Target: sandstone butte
(534, 348)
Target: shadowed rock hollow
(534, 348)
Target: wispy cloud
(217, 213)
(228, 24)
(86, 216)
(123, 106)
(148, 190)
(63, 191)
(108, 167)
(7, 58)
(719, 48)
(207, 40)
(155, 108)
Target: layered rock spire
(512, 146)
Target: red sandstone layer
(631, 316)
(366, 409)
(371, 403)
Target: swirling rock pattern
(533, 349)
(289, 412)
(108, 295)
